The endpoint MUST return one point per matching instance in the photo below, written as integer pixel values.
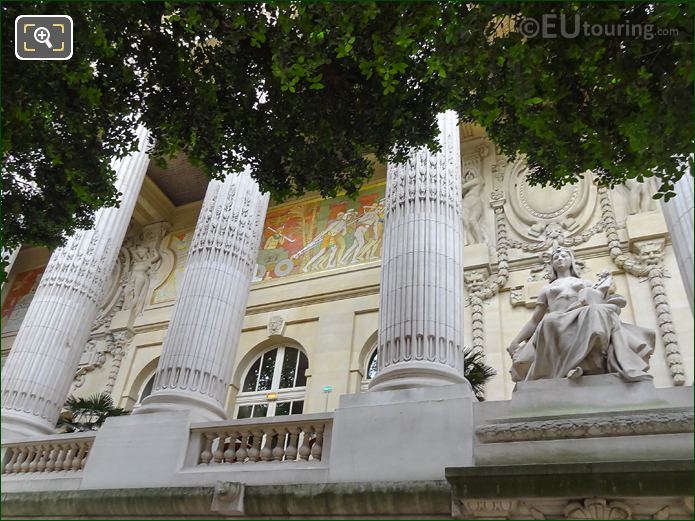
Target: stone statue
(639, 198)
(575, 329)
(472, 206)
(145, 261)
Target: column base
(18, 425)
(198, 407)
(416, 373)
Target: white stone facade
(401, 451)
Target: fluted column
(421, 296)
(41, 365)
(200, 346)
(679, 218)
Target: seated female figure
(575, 329)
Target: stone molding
(663, 422)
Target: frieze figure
(640, 197)
(145, 262)
(576, 329)
(472, 206)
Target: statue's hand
(513, 348)
(617, 300)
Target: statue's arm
(469, 184)
(530, 326)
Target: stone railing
(286, 439)
(54, 453)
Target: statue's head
(556, 256)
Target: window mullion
(279, 361)
(296, 368)
(260, 370)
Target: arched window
(274, 385)
(370, 370)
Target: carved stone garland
(479, 286)
(649, 264)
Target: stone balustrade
(301, 438)
(58, 453)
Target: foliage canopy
(303, 92)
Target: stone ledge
(665, 421)
(384, 499)
(603, 479)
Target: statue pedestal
(591, 394)
(597, 448)
(598, 418)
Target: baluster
(69, 454)
(29, 454)
(316, 448)
(242, 453)
(77, 459)
(304, 449)
(52, 454)
(231, 450)
(279, 449)
(34, 463)
(85, 452)
(255, 450)
(20, 459)
(291, 450)
(61, 450)
(8, 467)
(45, 449)
(266, 452)
(219, 452)
(206, 455)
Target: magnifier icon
(43, 35)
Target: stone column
(197, 359)
(679, 218)
(42, 363)
(421, 296)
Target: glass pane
(298, 407)
(260, 410)
(303, 366)
(282, 409)
(148, 389)
(371, 368)
(289, 366)
(250, 382)
(265, 380)
(244, 411)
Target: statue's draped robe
(591, 337)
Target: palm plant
(88, 414)
(476, 371)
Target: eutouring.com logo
(553, 25)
